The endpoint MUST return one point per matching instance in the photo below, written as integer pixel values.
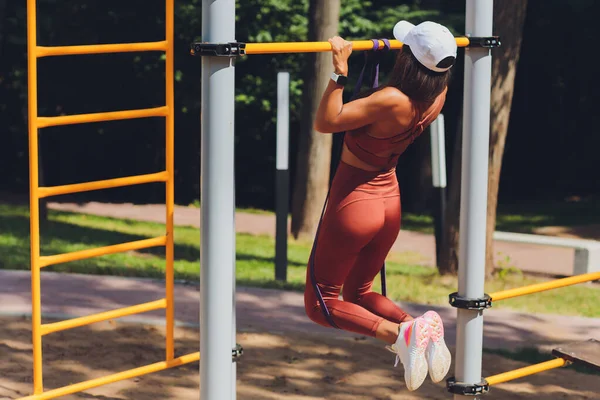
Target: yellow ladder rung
(45, 261)
(132, 373)
(44, 122)
(103, 316)
(46, 51)
(104, 184)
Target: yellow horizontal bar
(132, 373)
(313, 47)
(103, 316)
(521, 372)
(44, 122)
(44, 51)
(44, 261)
(104, 184)
(540, 287)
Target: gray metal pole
(438, 152)
(233, 310)
(473, 207)
(282, 177)
(217, 205)
(438, 175)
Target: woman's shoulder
(392, 98)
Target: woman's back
(377, 146)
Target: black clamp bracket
(236, 352)
(468, 303)
(467, 389)
(231, 49)
(491, 41)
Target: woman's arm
(335, 116)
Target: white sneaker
(410, 349)
(437, 354)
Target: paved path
(265, 310)
(529, 258)
(72, 295)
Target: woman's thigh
(370, 259)
(347, 228)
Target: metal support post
(282, 177)
(473, 207)
(438, 168)
(217, 205)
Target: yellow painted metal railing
(315, 47)
(526, 371)
(530, 289)
(34, 52)
(540, 287)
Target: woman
(362, 219)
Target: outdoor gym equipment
(217, 317)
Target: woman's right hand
(341, 50)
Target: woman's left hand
(341, 50)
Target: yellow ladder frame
(34, 52)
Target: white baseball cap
(430, 42)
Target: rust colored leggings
(360, 225)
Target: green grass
(527, 217)
(249, 210)
(568, 213)
(524, 218)
(67, 232)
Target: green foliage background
(94, 83)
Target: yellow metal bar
(103, 316)
(540, 287)
(42, 51)
(132, 373)
(170, 182)
(104, 184)
(521, 372)
(102, 251)
(313, 47)
(44, 122)
(34, 205)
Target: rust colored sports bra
(366, 147)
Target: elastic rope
(311, 262)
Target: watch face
(342, 80)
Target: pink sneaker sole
(410, 349)
(437, 354)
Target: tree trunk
(509, 17)
(508, 24)
(314, 148)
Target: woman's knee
(310, 304)
(351, 296)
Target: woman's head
(422, 69)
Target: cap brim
(401, 29)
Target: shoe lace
(391, 349)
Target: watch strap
(339, 79)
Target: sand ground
(274, 366)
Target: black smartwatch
(339, 79)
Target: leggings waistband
(348, 177)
